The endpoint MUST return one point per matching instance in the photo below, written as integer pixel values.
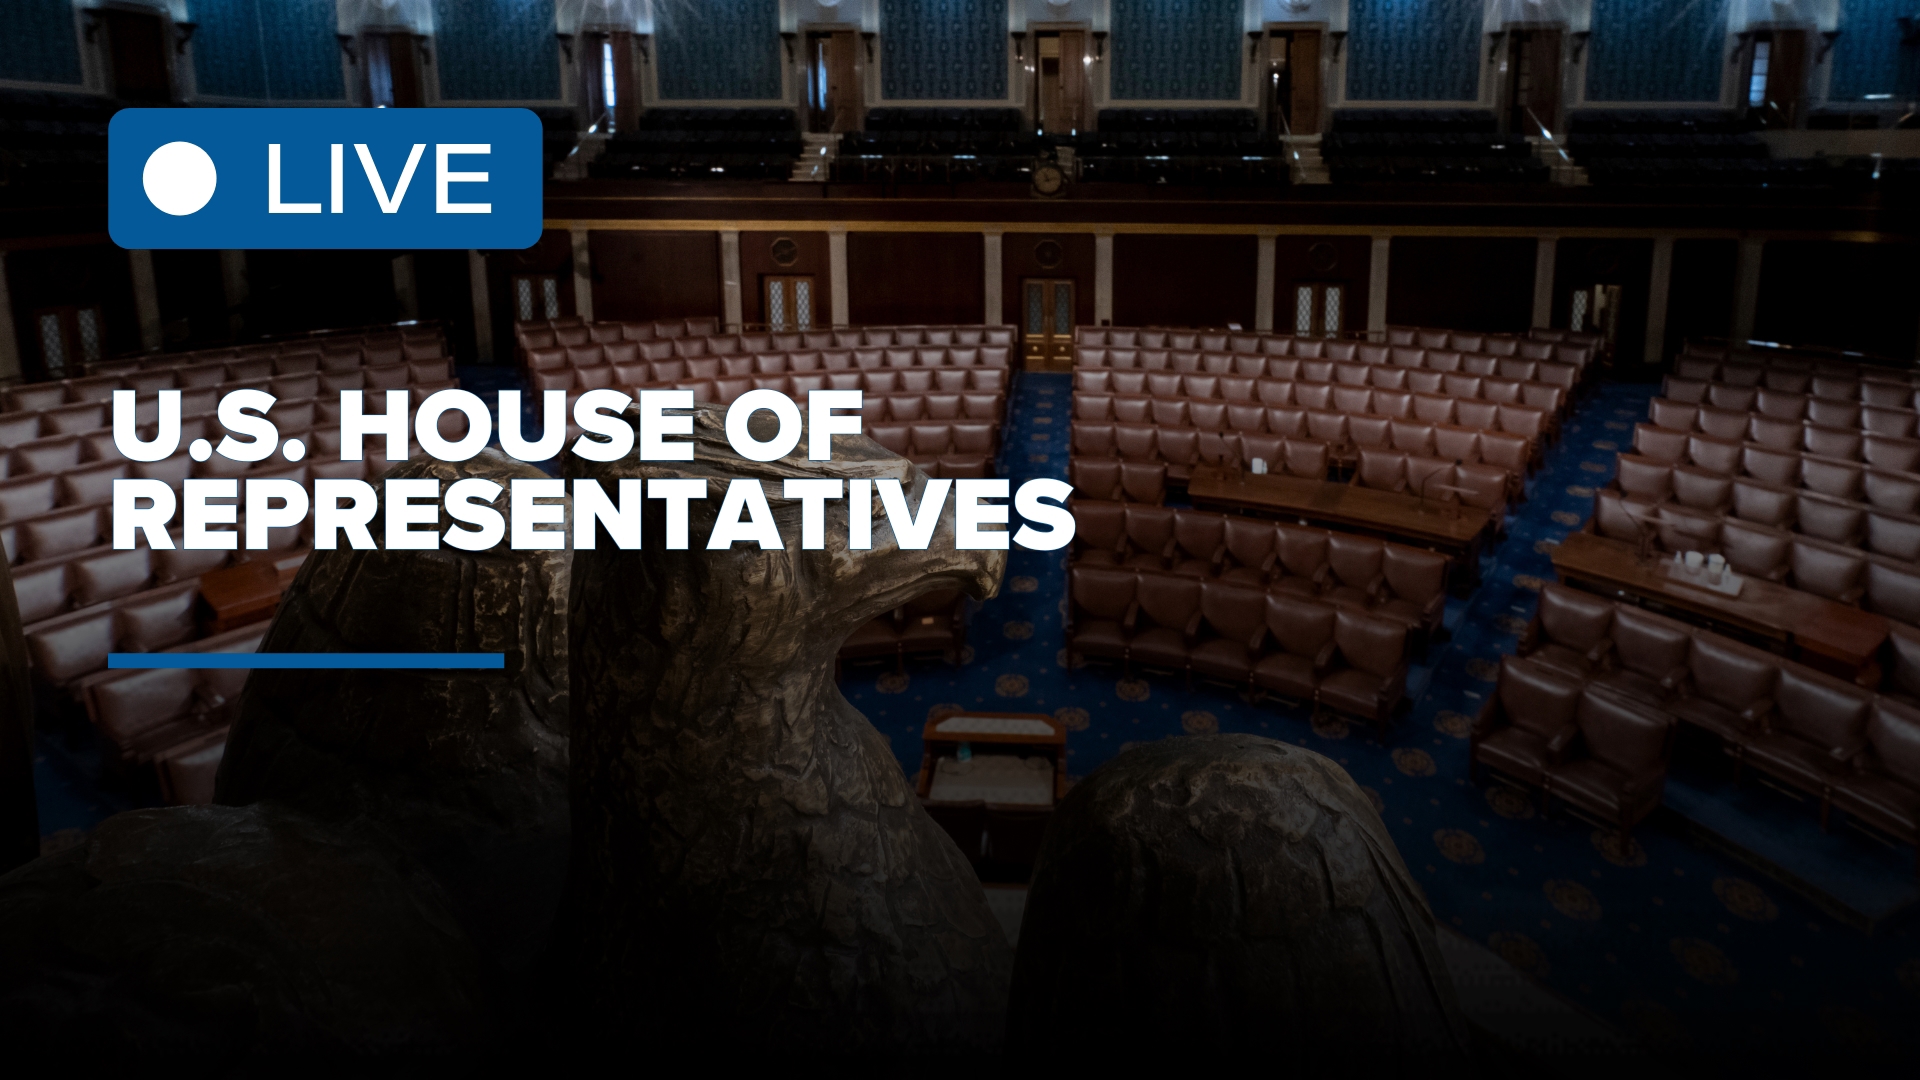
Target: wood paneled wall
(1701, 303)
(811, 257)
(655, 275)
(1184, 280)
(908, 278)
(1020, 259)
(1343, 260)
(1583, 263)
(1852, 296)
(1461, 282)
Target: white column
(1263, 280)
(1544, 251)
(482, 307)
(233, 283)
(1103, 279)
(582, 275)
(1659, 288)
(995, 313)
(730, 280)
(1377, 285)
(9, 341)
(406, 289)
(146, 305)
(837, 274)
(1746, 287)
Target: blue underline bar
(308, 661)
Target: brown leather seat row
(667, 366)
(701, 337)
(1835, 477)
(1544, 348)
(65, 648)
(1474, 414)
(1844, 745)
(1113, 480)
(95, 575)
(1697, 493)
(341, 371)
(1665, 436)
(298, 356)
(934, 622)
(641, 375)
(1514, 453)
(1318, 394)
(1569, 738)
(1180, 449)
(161, 716)
(1379, 365)
(1241, 634)
(1897, 421)
(1885, 584)
(1486, 487)
(1393, 581)
(931, 438)
(1880, 387)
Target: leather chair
(1251, 547)
(1092, 478)
(1835, 573)
(1883, 789)
(1570, 633)
(1832, 520)
(1892, 589)
(1303, 567)
(1616, 771)
(1171, 607)
(1891, 492)
(1381, 469)
(1235, 616)
(1527, 723)
(1373, 681)
(1102, 611)
(1200, 538)
(1817, 726)
(1650, 656)
(1303, 631)
(1729, 687)
(1150, 536)
(1754, 551)
(1357, 567)
(1765, 504)
(1895, 536)
(1418, 583)
(1143, 482)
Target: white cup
(1716, 563)
(1694, 560)
(1258, 466)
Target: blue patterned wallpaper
(297, 34)
(1868, 57)
(1177, 50)
(718, 50)
(41, 45)
(943, 50)
(1657, 50)
(1413, 50)
(496, 50)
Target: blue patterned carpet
(1689, 950)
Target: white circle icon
(179, 178)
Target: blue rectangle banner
(324, 178)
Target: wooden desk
(1832, 637)
(247, 592)
(1450, 527)
(936, 740)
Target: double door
(1047, 323)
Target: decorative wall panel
(1413, 50)
(1657, 50)
(719, 50)
(1177, 50)
(496, 50)
(943, 50)
(1868, 57)
(40, 43)
(272, 50)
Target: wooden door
(789, 302)
(833, 87)
(1534, 81)
(1061, 82)
(1047, 323)
(137, 49)
(606, 75)
(1304, 69)
(393, 70)
(1786, 79)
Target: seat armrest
(1266, 564)
(1259, 638)
(1132, 616)
(1192, 629)
(1599, 653)
(1845, 754)
(1852, 596)
(1325, 657)
(1674, 678)
(1758, 711)
(1484, 720)
(1557, 746)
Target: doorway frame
(1064, 362)
(862, 76)
(1503, 79)
(1030, 93)
(1267, 30)
(1810, 69)
(96, 46)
